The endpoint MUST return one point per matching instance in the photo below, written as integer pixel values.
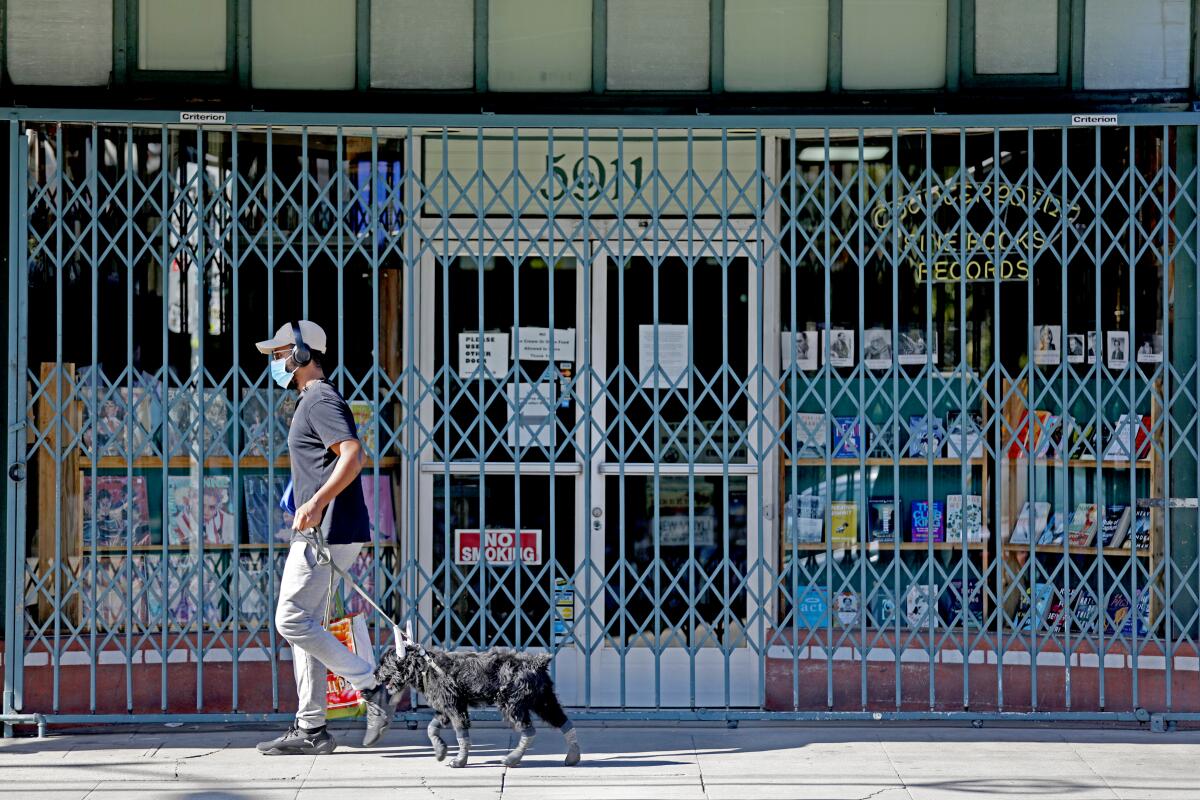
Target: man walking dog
(326, 459)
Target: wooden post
(48, 510)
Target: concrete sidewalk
(754, 761)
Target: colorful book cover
(951, 603)
(812, 607)
(1128, 440)
(812, 434)
(188, 515)
(1033, 515)
(843, 522)
(1045, 433)
(964, 435)
(113, 590)
(920, 606)
(1139, 531)
(805, 519)
(1035, 606)
(364, 420)
(184, 423)
(113, 509)
(1082, 530)
(263, 511)
(1115, 528)
(882, 519)
(884, 612)
(1121, 619)
(846, 609)
(847, 441)
(928, 522)
(363, 573)
(1055, 530)
(964, 518)
(925, 437)
(1086, 613)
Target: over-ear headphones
(301, 355)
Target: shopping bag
(343, 700)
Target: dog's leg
(435, 736)
(573, 754)
(527, 733)
(461, 721)
(549, 709)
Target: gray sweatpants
(302, 597)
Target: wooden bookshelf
(884, 547)
(884, 462)
(214, 462)
(1054, 549)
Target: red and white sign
(500, 546)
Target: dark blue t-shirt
(323, 419)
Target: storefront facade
(591, 430)
(755, 358)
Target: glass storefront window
(1136, 44)
(893, 44)
(776, 45)
(658, 45)
(540, 45)
(421, 45)
(302, 44)
(60, 42)
(1016, 37)
(182, 35)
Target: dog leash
(325, 558)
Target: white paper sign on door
(672, 355)
(533, 344)
(494, 353)
(531, 420)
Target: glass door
(677, 313)
(499, 354)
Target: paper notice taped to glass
(672, 355)
(491, 348)
(531, 420)
(533, 344)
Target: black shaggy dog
(518, 685)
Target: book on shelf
(883, 441)
(927, 521)
(1055, 531)
(882, 519)
(115, 512)
(1121, 617)
(884, 613)
(920, 606)
(1115, 527)
(208, 513)
(925, 437)
(843, 522)
(812, 434)
(265, 520)
(846, 611)
(1084, 524)
(847, 439)
(954, 598)
(1033, 516)
(964, 516)
(1035, 607)
(1128, 441)
(805, 519)
(1047, 433)
(1086, 612)
(364, 423)
(964, 434)
(1139, 530)
(812, 607)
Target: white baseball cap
(312, 333)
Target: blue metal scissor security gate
(754, 417)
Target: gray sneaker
(379, 714)
(299, 742)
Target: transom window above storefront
(604, 46)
